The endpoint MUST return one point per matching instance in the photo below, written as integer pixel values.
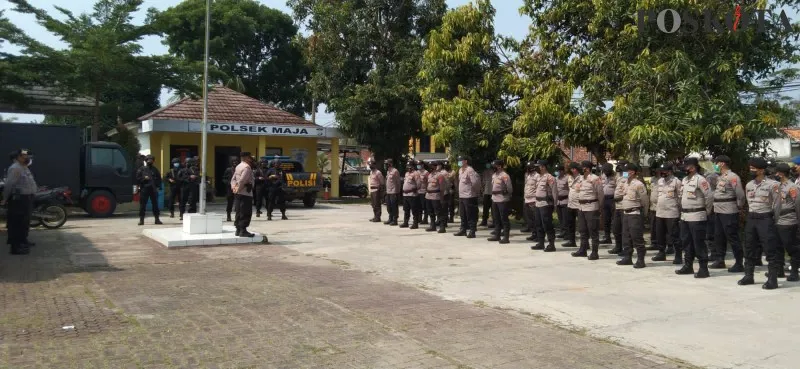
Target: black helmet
(463, 157)
(530, 165)
(666, 167)
(621, 165)
(782, 168)
(691, 161)
(411, 163)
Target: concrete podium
(200, 230)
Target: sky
(512, 24)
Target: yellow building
(425, 148)
(236, 123)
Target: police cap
(666, 167)
(244, 154)
(499, 162)
(633, 166)
(574, 165)
(586, 164)
(16, 153)
(411, 163)
(542, 163)
(420, 162)
(691, 161)
(758, 163)
(722, 159)
(463, 157)
(530, 165)
(621, 165)
(783, 168)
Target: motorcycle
(49, 206)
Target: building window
(272, 151)
(102, 156)
(425, 144)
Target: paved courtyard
(335, 291)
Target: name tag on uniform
(691, 195)
(751, 194)
(670, 194)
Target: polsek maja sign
(671, 21)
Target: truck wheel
(101, 204)
(310, 200)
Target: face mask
(176, 165)
(460, 164)
(716, 168)
(488, 166)
(624, 174)
(419, 167)
(753, 173)
(557, 173)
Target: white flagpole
(204, 148)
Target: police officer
(486, 179)
(667, 204)
(447, 190)
(453, 178)
(529, 191)
(764, 203)
(469, 189)
(609, 180)
(275, 189)
(423, 202)
(18, 195)
(562, 186)
(149, 179)
(501, 197)
(712, 179)
(787, 224)
(376, 185)
(634, 205)
(619, 192)
(590, 201)
(190, 179)
(696, 206)
(393, 186)
(261, 189)
(173, 177)
(242, 185)
(226, 180)
(546, 195)
(411, 184)
(652, 216)
(571, 211)
(729, 200)
(433, 196)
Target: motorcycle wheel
(35, 222)
(59, 214)
(362, 193)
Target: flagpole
(204, 149)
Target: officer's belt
(374, 188)
(693, 210)
(787, 211)
(542, 198)
(760, 215)
(412, 191)
(631, 210)
(497, 192)
(434, 191)
(583, 202)
(609, 196)
(732, 199)
(563, 197)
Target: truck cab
(106, 178)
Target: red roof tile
(793, 133)
(226, 106)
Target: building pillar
(262, 147)
(164, 160)
(334, 167)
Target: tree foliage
(252, 47)
(364, 57)
(128, 140)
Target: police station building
(236, 123)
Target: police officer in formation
(609, 180)
(562, 189)
(632, 207)
(469, 190)
(447, 191)
(529, 195)
(226, 180)
(190, 191)
(764, 204)
(501, 197)
(393, 186)
(545, 196)
(590, 201)
(696, 205)
(486, 180)
(175, 185)
(787, 224)
(260, 195)
(412, 181)
(619, 192)
(667, 203)
(149, 179)
(376, 185)
(275, 187)
(433, 197)
(571, 212)
(423, 189)
(452, 178)
(729, 201)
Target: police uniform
(652, 216)
(696, 206)
(667, 204)
(411, 184)
(562, 187)
(261, 191)
(242, 185)
(226, 180)
(453, 178)
(619, 193)
(571, 211)
(590, 201)
(433, 196)
(486, 179)
(713, 179)
(376, 183)
(633, 206)
(609, 186)
(764, 203)
(447, 191)
(501, 196)
(423, 188)
(173, 177)
(18, 193)
(393, 186)
(546, 195)
(275, 186)
(787, 224)
(149, 180)
(469, 190)
(729, 199)
(190, 191)
(529, 195)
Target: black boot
(670, 250)
(580, 253)
(504, 239)
(181, 217)
(404, 224)
(569, 244)
(158, 221)
(442, 226)
(461, 232)
(172, 214)
(640, 253)
(616, 250)
(594, 255)
(229, 217)
(718, 264)
(737, 267)
(141, 220)
(678, 258)
(19, 250)
(688, 268)
(414, 226)
(794, 276)
(471, 234)
(606, 240)
(483, 223)
(495, 232)
(703, 271)
(748, 276)
(388, 221)
(283, 217)
(238, 231)
(245, 233)
(538, 246)
(781, 273)
(375, 220)
(660, 256)
(772, 278)
(258, 214)
(626, 260)
(269, 216)
(551, 247)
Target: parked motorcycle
(49, 206)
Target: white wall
(144, 142)
(782, 147)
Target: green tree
(252, 44)
(364, 58)
(465, 84)
(19, 71)
(128, 140)
(102, 59)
